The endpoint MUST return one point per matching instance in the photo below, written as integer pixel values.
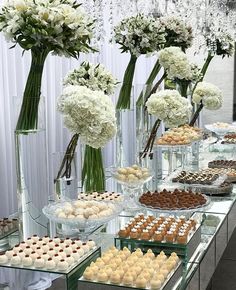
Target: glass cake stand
(131, 189)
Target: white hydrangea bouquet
(178, 68)
(138, 35)
(43, 26)
(171, 108)
(90, 115)
(178, 34)
(207, 96)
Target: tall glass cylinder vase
(144, 125)
(66, 187)
(125, 138)
(32, 173)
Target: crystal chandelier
(206, 16)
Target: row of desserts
(85, 210)
(7, 225)
(121, 267)
(101, 196)
(162, 229)
(176, 199)
(47, 253)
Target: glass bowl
(130, 183)
(80, 224)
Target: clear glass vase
(125, 137)
(31, 154)
(66, 187)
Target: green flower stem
(150, 142)
(156, 86)
(149, 82)
(183, 87)
(196, 114)
(93, 176)
(65, 168)
(204, 70)
(28, 116)
(125, 92)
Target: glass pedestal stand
(131, 193)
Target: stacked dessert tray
(167, 233)
(140, 270)
(204, 181)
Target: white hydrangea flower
(177, 32)
(139, 34)
(209, 94)
(91, 114)
(60, 26)
(169, 106)
(94, 76)
(177, 65)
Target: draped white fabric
(14, 70)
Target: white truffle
(50, 264)
(15, 260)
(27, 261)
(3, 259)
(62, 265)
(39, 263)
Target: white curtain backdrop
(13, 74)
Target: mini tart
(169, 237)
(145, 235)
(182, 239)
(123, 233)
(134, 234)
(158, 236)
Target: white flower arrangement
(209, 95)
(60, 26)
(177, 66)
(170, 107)
(177, 32)
(91, 114)
(139, 34)
(94, 76)
(220, 43)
